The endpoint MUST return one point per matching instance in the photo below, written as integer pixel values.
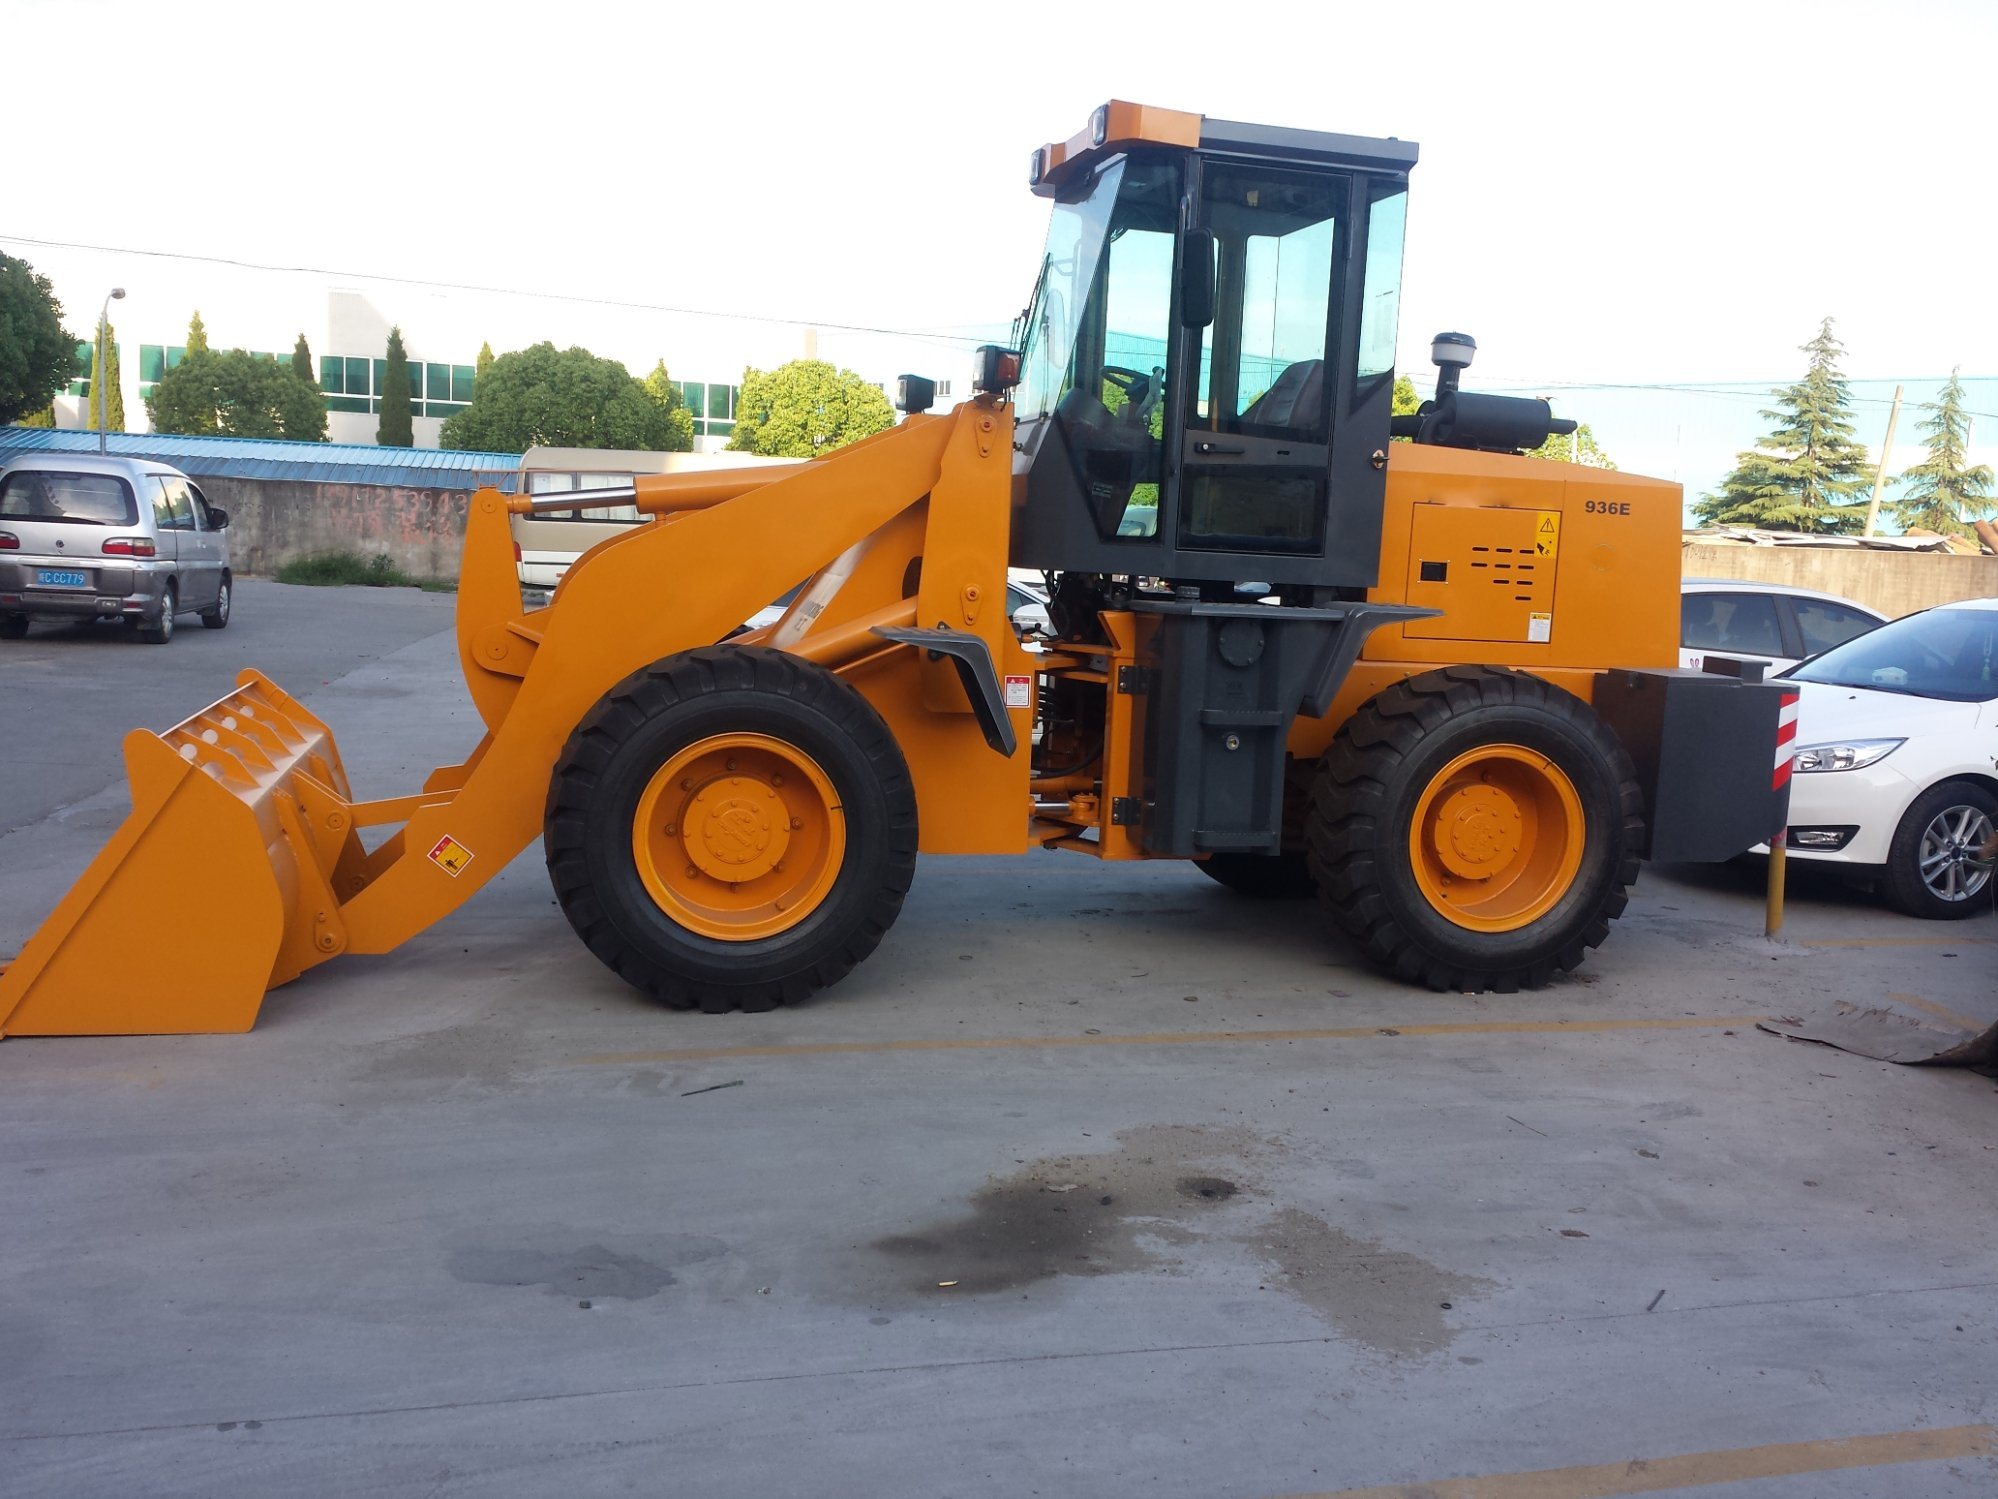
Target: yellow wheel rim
(739, 836)
(1497, 838)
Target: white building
(347, 327)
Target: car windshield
(1950, 654)
(68, 499)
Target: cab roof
(1119, 125)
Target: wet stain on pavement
(1075, 1215)
(598, 1272)
(1386, 1299)
(1163, 1188)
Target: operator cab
(1208, 355)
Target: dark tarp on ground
(1891, 1036)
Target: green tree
(105, 376)
(565, 398)
(1406, 401)
(484, 363)
(301, 361)
(1946, 491)
(36, 351)
(805, 408)
(666, 396)
(237, 395)
(1578, 446)
(397, 428)
(1809, 474)
(43, 418)
(197, 335)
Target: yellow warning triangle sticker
(1547, 524)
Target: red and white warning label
(1019, 692)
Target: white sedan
(1897, 760)
(1770, 622)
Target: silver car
(90, 537)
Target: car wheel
(218, 617)
(1931, 865)
(13, 626)
(160, 632)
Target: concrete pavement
(1090, 1182)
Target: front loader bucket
(209, 893)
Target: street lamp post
(104, 361)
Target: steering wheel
(1135, 384)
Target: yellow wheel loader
(1427, 682)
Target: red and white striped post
(1786, 754)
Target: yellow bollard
(1772, 921)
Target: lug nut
(693, 872)
(797, 822)
(672, 828)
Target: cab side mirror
(1196, 278)
(218, 518)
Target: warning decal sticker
(451, 856)
(1539, 628)
(1019, 692)
(1547, 536)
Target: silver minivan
(85, 536)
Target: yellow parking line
(1897, 941)
(1941, 1012)
(1694, 1469)
(1172, 1038)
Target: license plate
(56, 577)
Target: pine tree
(1946, 492)
(197, 335)
(1808, 474)
(104, 376)
(397, 428)
(301, 362)
(483, 363)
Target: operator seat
(1295, 399)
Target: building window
(711, 406)
(79, 370)
(356, 385)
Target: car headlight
(1850, 754)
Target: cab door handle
(1216, 448)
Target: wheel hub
(736, 829)
(1478, 831)
(738, 836)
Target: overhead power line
(497, 291)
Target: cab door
(1256, 446)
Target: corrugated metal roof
(266, 458)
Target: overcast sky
(1608, 193)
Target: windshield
(72, 499)
(1068, 269)
(1950, 654)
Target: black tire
(13, 626)
(1902, 881)
(161, 631)
(636, 728)
(1261, 876)
(1367, 791)
(218, 617)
